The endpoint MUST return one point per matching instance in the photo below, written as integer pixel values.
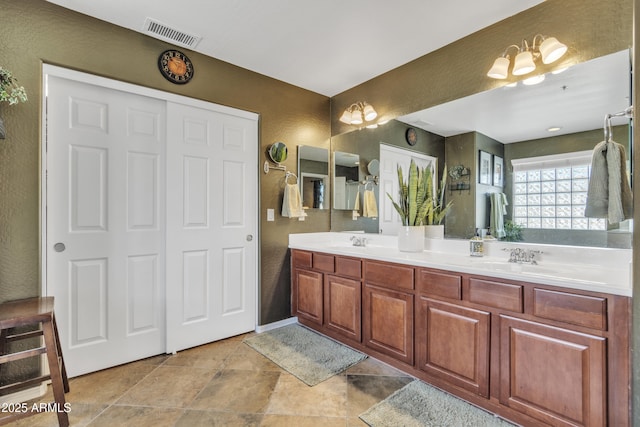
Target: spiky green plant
(417, 204)
(438, 209)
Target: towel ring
(287, 175)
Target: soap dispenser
(476, 244)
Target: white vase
(411, 238)
(434, 231)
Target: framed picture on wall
(484, 177)
(498, 171)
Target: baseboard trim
(280, 323)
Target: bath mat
(305, 354)
(419, 404)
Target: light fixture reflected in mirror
(533, 80)
(546, 49)
(358, 113)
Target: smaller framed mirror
(346, 180)
(278, 152)
(313, 174)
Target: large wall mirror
(313, 170)
(522, 119)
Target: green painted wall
(33, 32)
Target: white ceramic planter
(411, 238)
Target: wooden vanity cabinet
(553, 374)
(307, 297)
(343, 303)
(327, 292)
(535, 354)
(453, 342)
(388, 309)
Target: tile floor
(225, 383)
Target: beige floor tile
(108, 385)
(293, 397)
(356, 422)
(168, 386)
(139, 416)
(244, 357)
(216, 351)
(197, 358)
(154, 360)
(238, 391)
(302, 421)
(79, 415)
(226, 383)
(194, 418)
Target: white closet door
(211, 226)
(390, 158)
(105, 223)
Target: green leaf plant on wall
(418, 203)
(9, 92)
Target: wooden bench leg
(3, 343)
(57, 383)
(63, 369)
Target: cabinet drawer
(496, 294)
(439, 284)
(581, 310)
(301, 259)
(388, 275)
(349, 267)
(323, 262)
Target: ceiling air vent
(164, 32)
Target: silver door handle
(249, 237)
(59, 247)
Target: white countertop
(591, 269)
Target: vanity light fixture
(547, 49)
(358, 113)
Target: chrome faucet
(519, 255)
(359, 241)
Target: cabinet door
(388, 322)
(453, 344)
(342, 298)
(555, 375)
(306, 298)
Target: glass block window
(550, 192)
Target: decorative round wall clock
(411, 136)
(175, 66)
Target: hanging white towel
(356, 207)
(609, 194)
(498, 211)
(292, 202)
(370, 209)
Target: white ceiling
(326, 46)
